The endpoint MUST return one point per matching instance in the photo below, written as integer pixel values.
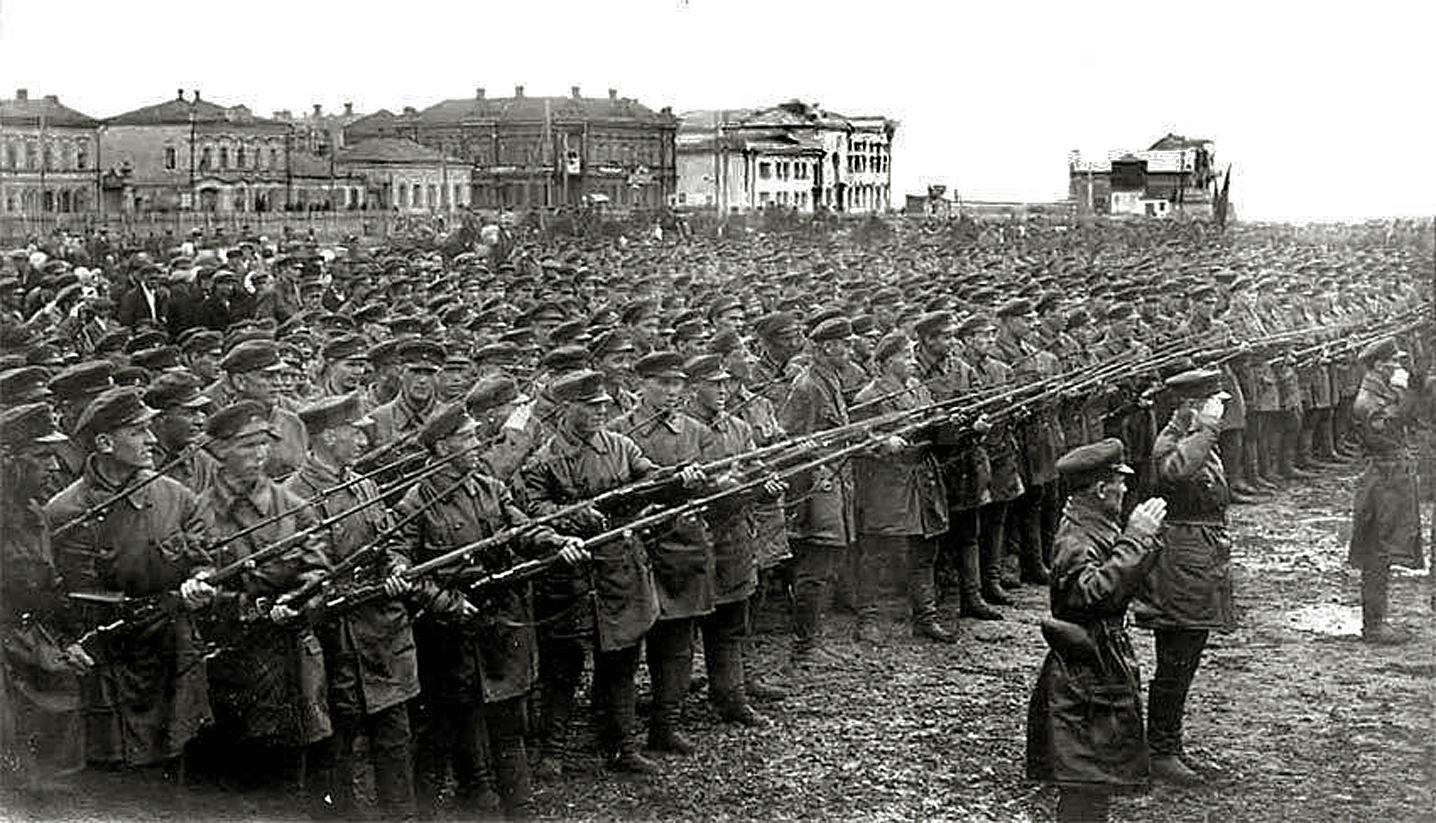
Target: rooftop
(179, 110)
(24, 110)
(398, 150)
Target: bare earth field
(1301, 720)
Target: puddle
(1327, 619)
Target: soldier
(249, 375)
(1386, 519)
(200, 352)
(146, 698)
(42, 731)
(1090, 746)
(901, 498)
(820, 525)
(405, 414)
(507, 423)
(610, 609)
(682, 551)
(267, 680)
(369, 656)
(477, 660)
(1189, 591)
(178, 427)
(346, 364)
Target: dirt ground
(1301, 721)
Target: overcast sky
(1324, 109)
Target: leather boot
(630, 759)
(865, 630)
(670, 668)
(1375, 585)
(974, 607)
(933, 630)
(1169, 768)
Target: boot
(933, 630)
(630, 759)
(670, 668)
(1169, 768)
(993, 593)
(865, 631)
(974, 607)
(1375, 583)
(738, 711)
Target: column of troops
(241, 488)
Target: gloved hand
(196, 592)
(1147, 518)
(1210, 414)
(1400, 378)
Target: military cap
(689, 330)
(113, 341)
(490, 393)
(200, 340)
(501, 352)
(637, 310)
(547, 309)
(176, 389)
(447, 420)
(572, 331)
(892, 344)
(1047, 302)
(585, 386)
(225, 276)
(158, 358)
(612, 341)
(24, 385)
(725, 342)
(886, 296)
(723, 303)
(773, 325)
(241, 419)
(131, 376)
(29, 423)
(1093, 461)
(420, 353)
(329, 412)
(834, 328)
(1196, 383)
(565, 359)
(346, 347)
(252, 355)
(45, 354)
(522, 337)
(660, 364)
(1015, 308)
(113, 408)
(1384, 349)
(863, 324)
(708, 367)
(146, 340)
(1119, 311)
(407, 325)
(930, 324)
(371, 313)
(83, 379)
(976, 322)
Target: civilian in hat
(369, 653)
(39, 677)
(735, 570)
(1386, 517)
(900, 499)
(476, 658)
(1096, 567)
(820, 512)
(267, 682)
(419, 361)
(179, 427)
(251, 372)
(583, 459)
(683, 554)
(147, 300)
(1188, 592)
(146, 699)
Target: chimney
(479, 93)
(518, 91)
(574, 91)
(53, 98)
(22, 94)
(196, 95)
(410, 110)
(318, 109)
(180, 94)
(348, 109)
(613, 94)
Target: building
(405, 176)
(1177, 174)
(319, 133)
(528, 152)
(793, 155)
(49, 157)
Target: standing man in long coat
(1386, 516)
(1084, 722)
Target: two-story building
(528, 151)
(793, 155)
(49, 157)
(406, 176)
(1177, 174)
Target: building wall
(50, 172)
(162, 164)
(415, 189)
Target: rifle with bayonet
(98, 510)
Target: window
(171, 157)
(12, 156)
(239, 157)
(274, 158)
(765, 170)
(403, 195)
(224, 157)
(82, 157)
(206, 158)
(433, 196)
(31, 161)
(458, 195)
(49, 162)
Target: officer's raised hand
(1147, 518)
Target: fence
(17, 230)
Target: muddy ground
(1303, 721)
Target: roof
(702, 120)
(178, 111)
(394, 150)
(19, 112)
(532, 109)
(1177, 141)
(304, 164)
